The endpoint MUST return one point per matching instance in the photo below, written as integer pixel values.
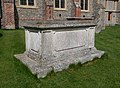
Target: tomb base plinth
(58, 46)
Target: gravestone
(56, 45)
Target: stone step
(35, 67)
(31, 64)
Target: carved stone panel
(66, 40)
(35, 41)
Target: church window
(60, 4)
(84, 4)
(27, 2)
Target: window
(60, 4)
(31, 2)
(84, 4)
(27, 2)
(23, 2)
(109, 16)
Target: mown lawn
(100, 73)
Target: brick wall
(8, 14)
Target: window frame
(60, 5)
(84, 6)
(27, 6)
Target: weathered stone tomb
(54, 45)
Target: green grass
(100, 73)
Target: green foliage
(100, 73)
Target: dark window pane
(109, 16)
(23, 2)
(86, 4)
(82, 4)
(56, 3)
(31, 2)
(62, 3)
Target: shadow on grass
(105, 56)
(1, 35)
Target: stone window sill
(62, 9)
(27, 7)
(85, 11)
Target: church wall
(29, 14)
(32, 15)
